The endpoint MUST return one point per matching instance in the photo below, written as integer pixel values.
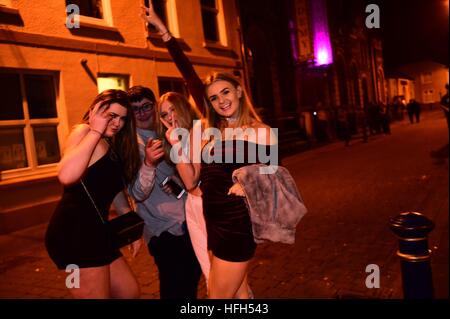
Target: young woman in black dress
(102, 154)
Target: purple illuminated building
(322, 45)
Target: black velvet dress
(76, 234)
(227, 218)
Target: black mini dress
(228, 223)
(76, 234)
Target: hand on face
(170, 128)
(153, 152)
(98, 117)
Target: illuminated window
(28, 123)
(112, 81)
(166, 84)
(5, 3)
(426, 77)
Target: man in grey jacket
(165, 230)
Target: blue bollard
(412, 230)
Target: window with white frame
(28, 121)
(168, 84)
(209, 19)
(97, 12)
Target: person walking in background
(101, 157)
(417, 110)
(445, 104)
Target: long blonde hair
(246, 112)
(186, 114)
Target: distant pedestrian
(343, 125)
(409, 109)
(444, 105)
(386, 118)
(417, 110)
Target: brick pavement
(351, 193)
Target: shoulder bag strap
(93, 203)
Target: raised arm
(81, 145)
(193, 81)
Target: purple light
(322, 45)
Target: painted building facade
(50, 73)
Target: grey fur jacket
(273, 200)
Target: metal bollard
(412, 229)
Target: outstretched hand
(150, 17)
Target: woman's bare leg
(226, 278)
(124, 284)
(94, 284)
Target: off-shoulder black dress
(227, 218)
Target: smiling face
(224, 98)
(144, 113)
(118, 115)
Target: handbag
(124, 229)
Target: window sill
(96, 28)
(11, 16)
(218, 49)
(94, 23)
(30, 179)
(9, 10)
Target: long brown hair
(246, 111)
(124, 143)
(186, 114)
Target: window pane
(116, 82)
(209, 25)
(12, 149)
(172, 85)
(46, 142)
(40, 96)
(89, 8)
(208, 3)
(11, 101)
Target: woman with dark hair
(101, 157)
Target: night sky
(414, 30)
